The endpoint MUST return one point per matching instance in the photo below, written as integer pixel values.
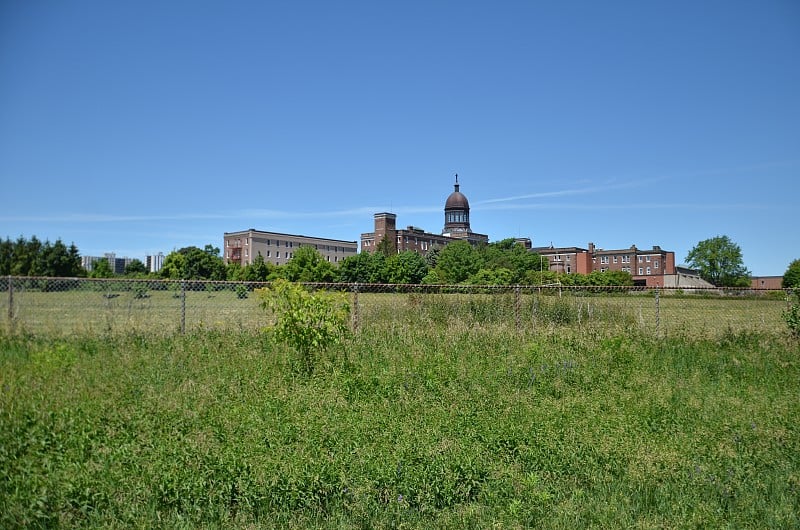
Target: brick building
(651, 267)
(456, 228)
(244, 246)
(766, 282)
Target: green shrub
(792, 317)
(308, 322)
(241, 292)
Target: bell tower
(456, 214)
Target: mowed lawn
(438, 416)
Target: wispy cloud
(625, 206)
(587, 190)
(109, 218)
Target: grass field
(165, 311)
(433, 415)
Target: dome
(456, 200)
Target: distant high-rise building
(155, 262)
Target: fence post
(355, 322)
(10, 305)
(658, 313)
(183, 307)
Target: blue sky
(139, 127)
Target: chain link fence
(77, 305)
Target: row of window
(642, 270)
(624, 259)
(286, 255)
(290, 244)
(456, 217)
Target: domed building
(456, 215)
(456, 227)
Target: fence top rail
(29, 281)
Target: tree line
(32, 257)
(500, 263)
(505, 262)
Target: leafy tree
(308, 265)
(510, 255)
(791, 278)
(542, 277)
(498, 276)
(432, 278)
(234, 272)
(308, 322)
(719, 261)
(365, 267)
(259, 271)
(193, 263)
(356, 269)
(792, 316)
(457, 262)
(135, 268)
(406, 267)
(173, 266)
(101, 268)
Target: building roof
(456, 200)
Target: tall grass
(433, 420)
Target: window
(641, 259)
(648, 270)
(641, 271)
(604, 259)
(269, 253)
(569, 257)
(603, 269)
(246, 253)
(655, 265)
(615, 259)
(647, 259)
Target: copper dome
(456, 200)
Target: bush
(792, 317)
(308, 322)
(241, 291)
